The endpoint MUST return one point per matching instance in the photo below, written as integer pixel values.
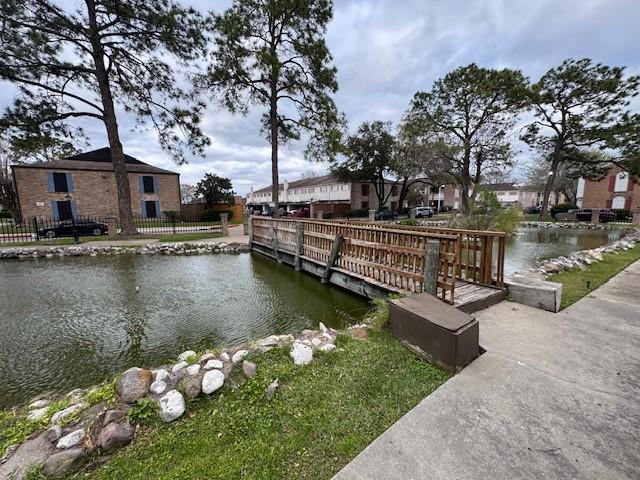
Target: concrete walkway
(555, 396)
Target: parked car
(607, 215)
(534, 209)
(66, 228)
(302, 213)
(386, 214)
(422, 212)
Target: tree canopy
(272, 54)
(215, 189)
(83, 61)
(466, 120)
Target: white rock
(71, 439)
(322, 327)
(37, 414)
(39, 404)
(193, 369)
(224, 356)
(172, 406)
(158, 387)
(212, 381)
(206, 357)
(316, 342)
(211, 364)
(301, 354)
(327, 348)
(179, 366)
(239, 356)
(161, 375)
(186, 355)
(62, 414)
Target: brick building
(617, 190)
(84, 185)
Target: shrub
(214, 215)
(360, 212)
(143, 411)
(622, 214)
(103, 393)
(409, 221)
(561, 208)
(5, 215)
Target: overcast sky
(386, 50)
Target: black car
(386, 215)
(67, 228)
(534, 209)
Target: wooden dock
(471, 297)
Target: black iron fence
(51, 230)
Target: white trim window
(618, 202)
(622, 183)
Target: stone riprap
(578, 225)
(582, 258)
(80, 429)
(195, 248)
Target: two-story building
(523, 195)
(84, 185)
(323, 194)
(616, 190)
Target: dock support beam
(299, 240)
(274, 236)
(250, 231)
(431, 258)
(333, 256)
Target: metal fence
(52, 230)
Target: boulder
(134, 384)
(212, 381)
(115, 435)
(60, 416)
(322, 327)
(61, 462)
(53, 434)
(191, 387)
(171, 406)
(224, 356)
(161, 375)
(39, 404)
(71, 439)
(211, 364)
(316, 342)
(37, 414)
(249, 368)
(206, 357)
(158, 387)
(327, 347)
(239, 356)
(179, 366)
(193, 369)
(113, 416)
(184, 356)
(302, 354)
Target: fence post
(431, 260)
(173, 223)
(636, 216)
(35, 228)
(112, 225)
(299, 240)
(224, 220)
(372, 215)
(333, 256)
(274, 236)
(250, 229)
(245, 221)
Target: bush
(5, 215)
(622, 214)
(408, 221)
(502, 220)
(561, 208)
(214, 215)
(143, 411)
(360, 212)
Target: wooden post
(274, 237)
(250, 229)
(333, 256)
(224, 224)
(299, 241)
(431, 261)
(372, 215)
(245, 221)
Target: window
(323, 189)
(621, 183)
(148, 184)
(150, 208)
(63, 210)
(59, 182)
(365, 191)
(456, 193)
(365, 205)
(394, 206)
(394, 191)
(618, 202)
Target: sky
(385, 51)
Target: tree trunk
(551, 179)
(109, 118)
(273, 121)
(466, 178)
(404, 190)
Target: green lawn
(578, 283)
(186, 237)
(321, 416)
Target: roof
(96, 160)
(500, 187)
(310, 182)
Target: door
(64, 210)
(150, 206)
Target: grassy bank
(578, 283)
(320, 417)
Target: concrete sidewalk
(555, 396)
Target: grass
(578, 283)
(187, 237)
(321, 416)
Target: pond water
(73, 322)
(531, 245)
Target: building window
(150, 208)
(618, 202)
(63, 210)
(394, 206)
(323, 189)
(456, 193)
(365, 191)
(148, 184)
(394, 191)
(621, 183)
(365, 205)
(60, 182)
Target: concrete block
(533, 290)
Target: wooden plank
(431, 261)
(335, 249)
(299, 241)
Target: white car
(422, 212)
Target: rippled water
(531, 245)
(70, 322)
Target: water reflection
(74, 321)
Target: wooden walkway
(471, 297)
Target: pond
(531, 245)
(73, 322)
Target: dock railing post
(333, 256)
(299, 240)
(250, 231)
(274, 237)
(431, 260)
(224, 223)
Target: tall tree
(580, 107)
(469, 114)
(370, 157)
(80, 62)
(215, 189)
(272, 53)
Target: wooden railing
(392, 258)
(481, 253)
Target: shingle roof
(96, 160)
(309, 182)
